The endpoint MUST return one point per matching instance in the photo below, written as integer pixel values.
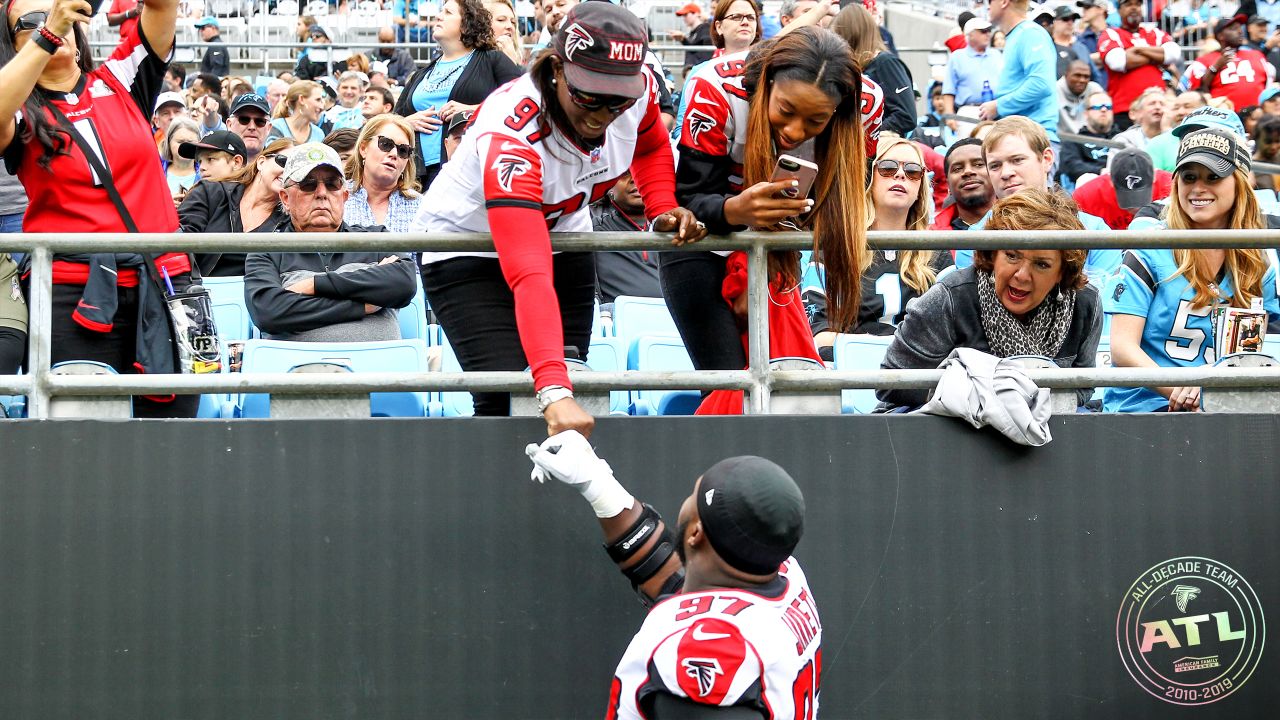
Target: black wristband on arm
(631, 541)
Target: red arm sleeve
(653, 167)
(513, 197)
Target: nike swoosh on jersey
(701, 635)
(700, 98)
(84, 304)
(904, 87)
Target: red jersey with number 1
(1240, 80)
(727, 648)
(1125, 87)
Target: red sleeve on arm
(513, 197)
(653, 167)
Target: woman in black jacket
(859, 29)
(459, 77)
(246, 202)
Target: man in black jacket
(699, 35)
(216, 61)
(325, 297)
(1079, 158)
(400, 64)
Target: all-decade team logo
(1190, 631)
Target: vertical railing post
(758, 326)
(40, 345)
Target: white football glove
(568, 457)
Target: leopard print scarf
(1041, 333)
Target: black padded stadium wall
(410, 569)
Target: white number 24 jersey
(727, 647)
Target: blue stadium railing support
(39, 385)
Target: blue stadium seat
(413, 318)
(231, 315)
(449, 404)
(860, 352)
(637, 316)
(652, 353)
(279, 356)
(607, 354)
(1271, 345)
(1267, 202)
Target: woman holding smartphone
(745, 110)
(47, 80)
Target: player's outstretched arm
(636, 537)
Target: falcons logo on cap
(705, 671)
(1182, 594)
(1132, 181)
(507, 167)
(576, 39)
(699, 121)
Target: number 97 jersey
(727, 647)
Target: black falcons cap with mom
(603, 48)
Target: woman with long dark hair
(746, 110)
(537, 154)
(60, 115)
(467, 67)
(859, 29)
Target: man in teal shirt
(1027, 80)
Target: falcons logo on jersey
(705, 671)
(699, 121)
(507, 167)
(1182, 594)
(576, 39)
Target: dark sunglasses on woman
(30, 21)
(592, 103)
(889, 168)
(386, 145)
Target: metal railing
(759, 380)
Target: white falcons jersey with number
(727, 647)
(504, 160)
(715, 120)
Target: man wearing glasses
(1079, 158)
(249, 119)
(325, 297)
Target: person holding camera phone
(77, 134)
(745, 110)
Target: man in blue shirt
(967, 70)
(1026, 82)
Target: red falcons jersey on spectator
(111, 109)
(727, 647)
(505, 160)
(715, 120)
(1125, 87)
(1240, 80)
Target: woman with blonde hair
(384, 183)
(297, 115)
(899, 199)
(502, 16)
(248, 201)
(1162, 301)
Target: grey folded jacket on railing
(984, 390)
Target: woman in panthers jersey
(1161, 301)
(538, 152)
(900, 200)
(746, 110)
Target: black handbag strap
(108, 184)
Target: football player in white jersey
(538, 152)
(744, 111)
(733, 629)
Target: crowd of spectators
(1059, 116)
